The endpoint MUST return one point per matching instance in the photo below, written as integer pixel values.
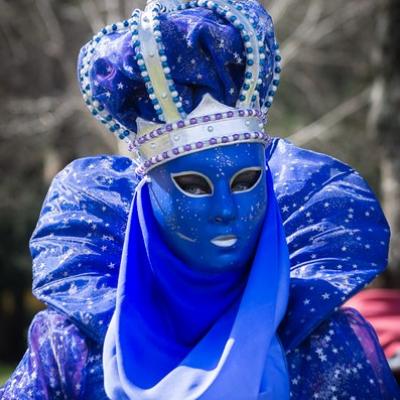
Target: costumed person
(213, 265)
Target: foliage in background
(5, 371)
(323, 103)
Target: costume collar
(336, 232)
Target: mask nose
(224, 208)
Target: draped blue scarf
(182, 334)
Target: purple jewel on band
(141, 170)
(194, 121)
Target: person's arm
(341, 360)
(76, 249)
(53, 367)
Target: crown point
(207, 106)
(168, 5)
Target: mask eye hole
(193, 184)
(246, 180)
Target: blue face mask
(210, 205)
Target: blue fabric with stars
(338, 242)
(205, 54)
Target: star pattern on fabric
(323, 367)
(330, 239)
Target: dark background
(340, 94)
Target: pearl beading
(94, 106)
(255, 49)
(191, 122)
(153, 63)
(248, 137)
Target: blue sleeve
(75, 249)
(337, 234)
(77, 244)
(341, 360)
(53, 367)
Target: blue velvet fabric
(205, 54)
(188, 334)
(337, 238)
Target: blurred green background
(5, 371)
(339, 95)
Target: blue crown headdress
(182, 76)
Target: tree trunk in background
(43, 126)
(385, 124)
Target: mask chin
(210, 205)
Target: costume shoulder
(335, 229)
(76, 246)
(342, 359)
(337, 235)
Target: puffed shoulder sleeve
(341, 360)
(337, 234)
(76, 246)
(53, 367)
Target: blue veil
(335, 229)
(184, 334)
